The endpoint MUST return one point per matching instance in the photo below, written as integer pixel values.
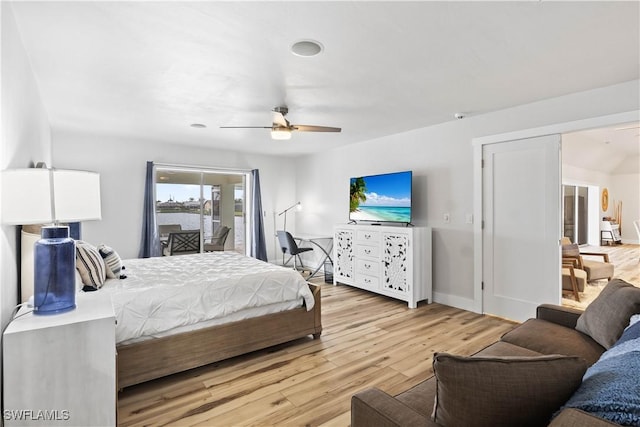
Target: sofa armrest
(572, 417)
(564, 316)
(374, 407)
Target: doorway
(483, 252)
(575, 209)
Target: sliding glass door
(576, 213)
(204, 200)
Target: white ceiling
(150, 69)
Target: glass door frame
(203, 171)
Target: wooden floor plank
(367, 340)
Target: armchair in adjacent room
(595, 269)
(636, 224)
(573, 278)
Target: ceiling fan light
(280, 134)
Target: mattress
(174, 294)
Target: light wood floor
(368, 340)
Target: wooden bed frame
(151, 359)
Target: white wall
(121, 163)
(24, 139)
(626, 188)
(441, 159)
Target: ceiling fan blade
(246, 127)
(311, 128)
(629, 127)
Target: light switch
(446, 217)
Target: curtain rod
(198, 168)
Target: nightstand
(60, 370)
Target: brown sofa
(552, 332)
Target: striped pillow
(90, 265)
(112, 261)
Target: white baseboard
(454, 301)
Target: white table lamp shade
(50, 196)
(40, 196)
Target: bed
(181, 312)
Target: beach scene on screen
(384, 198)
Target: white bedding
(167, 294)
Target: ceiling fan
(281, 128)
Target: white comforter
(164, 293)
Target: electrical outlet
(446, 217)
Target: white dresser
(392, 261)
(60, 370)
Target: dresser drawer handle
(367, 251)
(368, 281)
(367, 266)
(367, 236)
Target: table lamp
(51, 196)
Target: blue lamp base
(54, 272)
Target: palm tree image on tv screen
(381, 198)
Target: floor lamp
(284, 226)
(51, 196)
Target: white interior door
(522, 222)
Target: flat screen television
(381, 198)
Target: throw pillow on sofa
(607, 316)
(502, 391)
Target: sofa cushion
(502, 348)
(550, 338)
(607, 316)
(503, 391)
(420, 397)
(576, 418)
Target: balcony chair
(288, 245)
(595, 269)
(182, 243)
(217, 240)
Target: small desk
(316, 240)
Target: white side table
(60, 370)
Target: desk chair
(288, 245)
